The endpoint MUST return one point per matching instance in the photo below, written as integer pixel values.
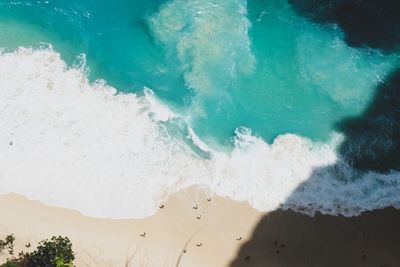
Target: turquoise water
(220, 64)
(246, 98)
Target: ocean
(107, 108)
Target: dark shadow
(287, 238)
(373, 139)
(372, 23)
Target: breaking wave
(81, 145)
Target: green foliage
(11, 263)
(56, 252)
(60, 263)
(50, 251)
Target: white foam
(85, 147)
(81, 145)
(195, 33)
(197, 141)
(271, 172)
(158, 111)
(295, 173)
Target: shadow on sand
(287, 238)
(372, 143)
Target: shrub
(56, 252)
(51, 253)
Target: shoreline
(213, 231)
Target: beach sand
(106, 242)
(228, 233)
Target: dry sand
(106, 242)
(281, 238)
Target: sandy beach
(196, 228)
(216, 224)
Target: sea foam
(196, 32)
(81, 145)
